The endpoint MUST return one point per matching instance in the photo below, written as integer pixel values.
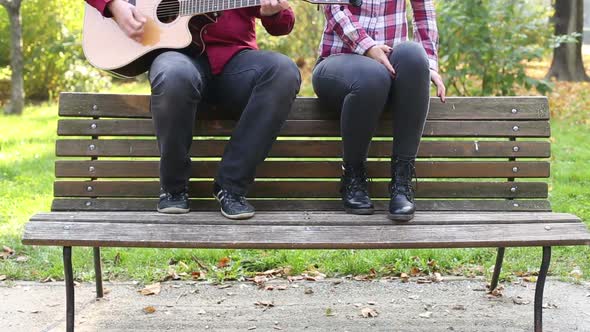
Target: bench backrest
(478, 154)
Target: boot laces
(403, 184)
(358, 180)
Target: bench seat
(482, 171)
(306, 230)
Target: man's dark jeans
(262, 85)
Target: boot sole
(173, 210)
(400, 217)
(360, 211)
(246, 215)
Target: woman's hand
(271, 7)
(128, 17)
(380, 53)
(440, 86)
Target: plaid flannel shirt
(356, 29)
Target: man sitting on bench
(232, 71)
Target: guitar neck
(196, 7)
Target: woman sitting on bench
(366, 65)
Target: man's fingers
(138, 16)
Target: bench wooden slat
(325, 149)
(456, 108)
(318, 189)
(98, 234)
(135, 204)
(315, 169)
(299, 218)
(435, 128)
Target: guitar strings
(174, 8)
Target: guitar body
(107, 47)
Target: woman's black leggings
(361, 88)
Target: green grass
(26, 177)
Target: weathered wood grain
(98, 234)
(311, 189)
(307, 169)
(311, 148)
(331, 128)
(456, 108)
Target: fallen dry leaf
(2, 277)
(21, 259)
(153, 289)
(282, 287)
(436, 277)
(415, 271)
(497, 292)
(458, 307)
(117, 259)
(6, 252)
(269, 287)
(224, 286)
(371, 302)
(427, 314)
(196, 275)
(171, 275)
(530, 279)
(422, 280)
(308, 290)
(549, 306)
(149, 310)
(369, 313)
(259, 280)
(520, 301)
(48, 279)
(329, 312)
(272, 272)
(277, 328)
(223, 262)
(294, 278)
(404, 277)
(266, 304)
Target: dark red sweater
(233, 32)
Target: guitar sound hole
(168, 11)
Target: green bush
(485, 44)
(54, 61)
(302, 43)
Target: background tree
(567, 62)
(17, 99)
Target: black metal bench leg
(98, 273)
(69, 281)
(497, 269)
(539, 289)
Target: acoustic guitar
(107, 47)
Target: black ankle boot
(401, 205)
(353, 187)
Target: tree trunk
(567, 62)
(17, 100)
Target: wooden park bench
(482, 166)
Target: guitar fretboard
(195, 7)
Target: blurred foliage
(52, 49)
(303, 42)
(485, 44)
